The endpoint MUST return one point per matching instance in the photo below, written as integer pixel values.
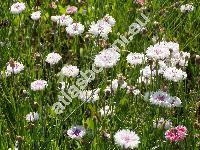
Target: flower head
(109, 19)
(64, 20)
(17, 8)
(76, 132)
(174, 74)
(53, 58)
(71, 10)
(14, 67)
(135, 58)
(163, 99)
(36, 15)
(107, 58)
(101, 28)
(127, 139)
(176, 134)
(75, 29)
(32, 116)
(70, 71)
(38, 85)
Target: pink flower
(176, 134)
(141, 2)
(71, 10)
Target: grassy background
(22, 38)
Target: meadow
(71, 78)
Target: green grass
(22, 38)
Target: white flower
(36, 15)
(65, 20)
(107, 110)
(160, 123)
(38, 85)
(32, 116)
(107, 58)
(127, 139)
(75, 29)
(109, 19)
(70, 71)
(174, 74)
(53, 58)
(163, 99)
(101, 28)
(186, 8)
(55, 18)
(14, 67)
(158, 52)
(17, 8)
(89, 95)
(135, 58)
(115, 85)
(76, 132)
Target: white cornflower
(75, 29)
(186, 8)
(32, 116)
(55, 18)
(53, 58)
(135, 58)
(14, 67)
(174, 74)
(107, 110)
(17, 8)
(89, 95)
(101, 28)
(157, 52)
(65, 20)
(109, 19)
(160, 123)
(36, 15)
(38, 85)
(76, 132)
(127, 139)
(163, 99)
(107, 58)
(70, 71)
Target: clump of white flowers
(39, 85)
(17, 8)
(75, 29)
(162, 123)
(32, 116)
(89, 95)
(107, 58)
(127, 139)
(64, 20)
(186, 8)
(14, 67)
(53, 58)
(70, 71)
(36, 15)
(76, 132)
(163, 99)
(135, 58)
